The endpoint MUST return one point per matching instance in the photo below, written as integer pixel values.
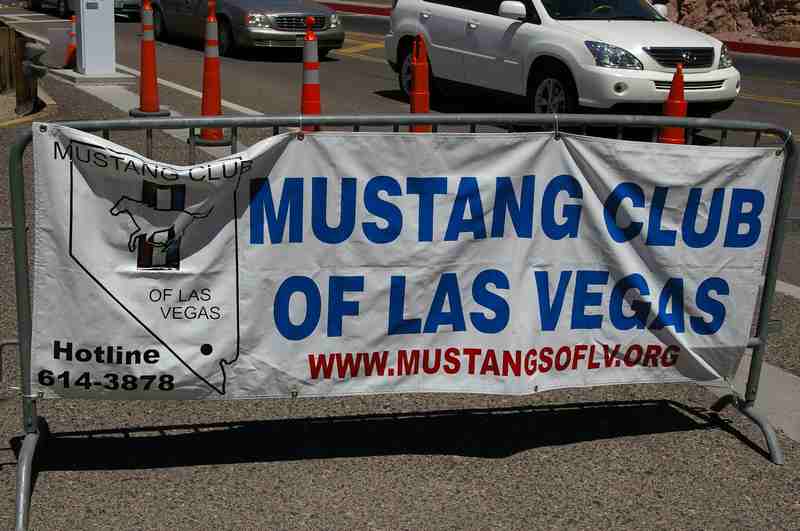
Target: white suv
(617, 55)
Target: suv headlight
(612, 56)
(725, 60)
(258, 20)
(335, 20)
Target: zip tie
(780, 150)
(32, 397)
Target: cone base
(672, 136)
(139, 113)
(222, 142)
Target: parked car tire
(404, 75)
(63, 9)
(323, 53)
(552, 90)
(34, 5)
(227, 43)
(159, 26)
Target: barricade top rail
(567, 120)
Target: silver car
(250, 23)
(65, 8)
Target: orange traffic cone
(212, 93)
(148, 79)
(310, 98)
(674, 106)
(420, 95)
(72, 48)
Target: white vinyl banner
(361, 263)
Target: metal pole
(784, 203)
(21, 280)
(25, 479)
(29, 416)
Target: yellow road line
(359, 56)
(363, 47)
(770, 99)
(367, 37)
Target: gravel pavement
(628, 457)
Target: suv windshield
(601, 9)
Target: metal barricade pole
(30, 419)
(757, 360)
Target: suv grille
(692, 85)
(690, 57)
(297, 23)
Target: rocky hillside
(775, 20)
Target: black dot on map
(206, 349)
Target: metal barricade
(35, 427)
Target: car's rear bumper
(329, 39)
(606, 88)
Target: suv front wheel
(404, 75)
(553, 91)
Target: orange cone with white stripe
(148, 78)
(674, 106)
(72, 48)
(420, 93)
(310, 97)
(212, 92)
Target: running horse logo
(157, 222)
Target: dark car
(250, 23)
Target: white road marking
(125, 100)
(20, 20)
(186, 90)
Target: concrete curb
(76, 78)
(735, 46)
(764, 49)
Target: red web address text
(476, 361)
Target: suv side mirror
(513, 10)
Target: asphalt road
(647, 457)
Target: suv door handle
(425, 15)
(472, 24)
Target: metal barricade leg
(33, 425)
(775, 451)
(25, 472)
(753, 413)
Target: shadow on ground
(486, 433)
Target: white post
(96, 46)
